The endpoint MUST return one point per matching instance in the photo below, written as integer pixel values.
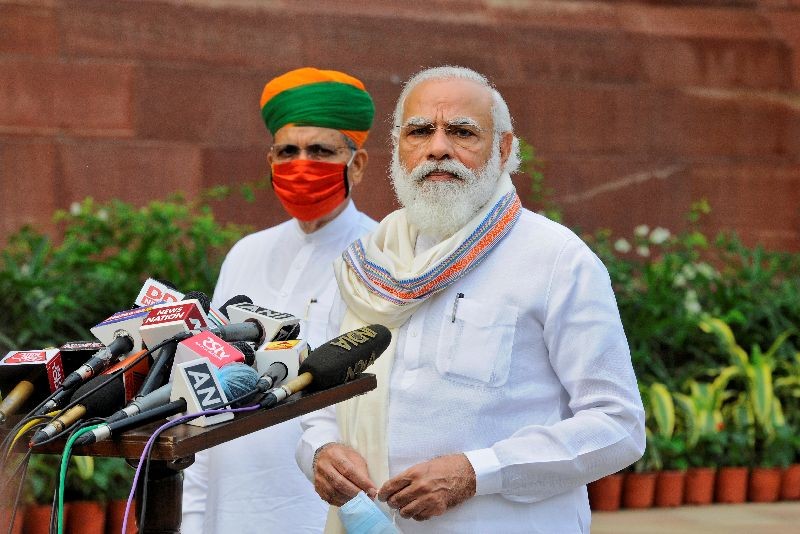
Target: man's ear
(506, 142)
(358, 167)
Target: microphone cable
(112, 376)
(57, 510)
(15, 503)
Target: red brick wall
(635, 108)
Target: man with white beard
(508, 384)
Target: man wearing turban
(319, 120)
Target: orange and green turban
(323, 98)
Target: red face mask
(310, 189)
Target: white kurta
(252, 484)
(529, 374)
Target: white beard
(440, 209)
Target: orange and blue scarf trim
(492, 229)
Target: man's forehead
(448, 100)
(307, 135)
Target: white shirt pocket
(475, 343)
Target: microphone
(274, 374)
(335, 362)
(291, 353)
(120, 345)
(238, 299)
(234, 380)
(27, 377)
(156, 291)
(17, 396)
(159, 371)
(214, 316)
(247, 351)
(203, 345)
(206, 344)
(99, 403)
(164, 321)
(276, 325)
(132, 378)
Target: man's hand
(340, 473)
(429, 489)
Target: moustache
(457, 169)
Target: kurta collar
(334, 229)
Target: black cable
(15, 502)
(117, 373)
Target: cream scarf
(382, 281)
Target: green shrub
(54, 292)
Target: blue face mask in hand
(360, 515)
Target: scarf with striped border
(382, 280)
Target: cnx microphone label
(205, 388)
(354, 338)
(265, 311)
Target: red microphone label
(189, 313)
(17, 363)
(23, 357)
(207, 345)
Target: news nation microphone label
(166, 320)
(17, 365)
(154, 292)
(196, 381)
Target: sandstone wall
(635, 108)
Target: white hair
(501, 117)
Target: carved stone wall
(635, 108)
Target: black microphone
(122, 344)
(238, 299)
(275, 373)
(335, 362)
(161, 395)
(247, 350)
(159, 371)
(236, 379)
(100, 403)
(201, 297)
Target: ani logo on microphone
(196, 382)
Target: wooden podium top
(183, 441)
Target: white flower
(622, 245)
(706, 270)
(643, 250)
(691, 303)
(641, 231)
(75, 209)
(689, 271)
(679, 280)
(659, 235)
(102, 215)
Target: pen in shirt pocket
(455, 306)
(308, 307)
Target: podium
(174, 449)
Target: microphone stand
(175, 448)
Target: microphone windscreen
(106, 400)
(238, 299)
(247, 349)
(237, 379)
(201, 297)
(165, 282)
(343, 358)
